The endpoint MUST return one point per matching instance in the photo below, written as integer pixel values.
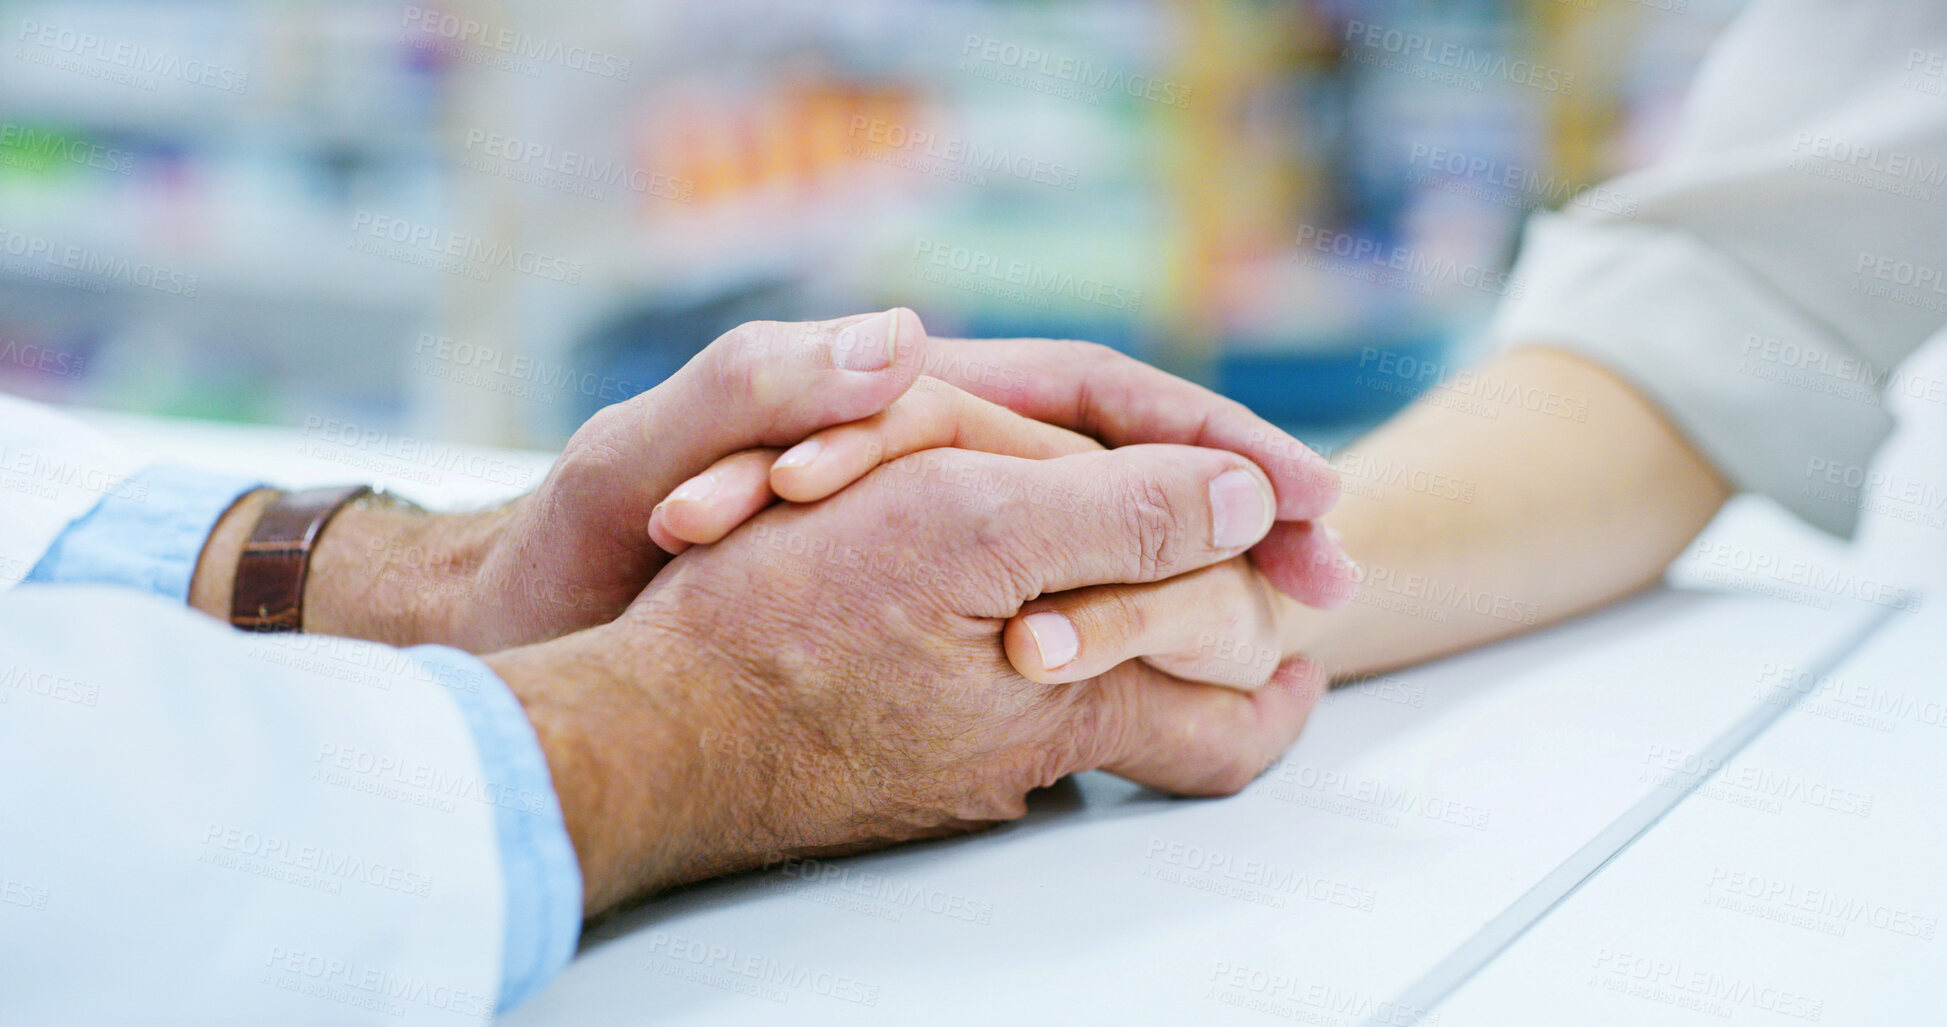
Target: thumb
(765, 383)
(771, 383)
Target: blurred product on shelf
(483, 221)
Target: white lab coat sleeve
(78, 509)
(53, 470)
(1764, 279)
(210, 827)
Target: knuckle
(605, 426)
(1235, 776)
(742, 342)
(1093, 352)
(1150, 520)
(899, 488)
(992, 500)
(950, 488)
(1215, 743)
(746, 364)
(1059, 757)
(930, 405)
(1111, 619)
(596, 451)
(1100, 728)
(927, 388)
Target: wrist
(624, 755)
(390, 572)
(213, 582)
(1314, 634)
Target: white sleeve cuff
(1780, 405)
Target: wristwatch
(269, 589)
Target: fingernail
(868, 345)
(799, 455)
(1348, 567)
(1055, 637)
(1240, 509)
(694, 489)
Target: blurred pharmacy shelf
(483, 220)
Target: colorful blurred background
(482, 221)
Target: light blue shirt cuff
(147, 534)
(538, 863)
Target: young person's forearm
(1476, 519)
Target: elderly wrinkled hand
(831, 676)
(573, 553)
(1223, 624)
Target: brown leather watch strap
(269, 590)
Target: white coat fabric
(1765, 279)
(209, 827)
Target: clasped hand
(963, 598)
